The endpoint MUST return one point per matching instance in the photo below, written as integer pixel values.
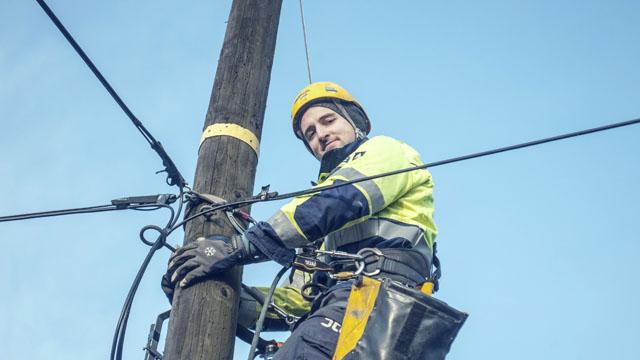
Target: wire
(121, 326)
(463, 158)
(275, 196)
(173, 178)
(306, 46)
(263, 312)
(82, 210)
(173, 175)
(118, 340)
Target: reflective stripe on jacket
(400, 205)
(392, 211)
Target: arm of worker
(310, 217)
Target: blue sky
(540, 246)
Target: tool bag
(386, 320)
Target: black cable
(121, 326)
(263, 312)
(82, 210)
(175, 178)
(246, 335)
(173, 175)
(254, 293)
(51, 213)
(211, 209)
(274, 196)
(462, 158)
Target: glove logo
(210, 251)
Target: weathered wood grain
(203, 317)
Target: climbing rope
(306, 46)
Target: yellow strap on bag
(427, 288)
(359, 307)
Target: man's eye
(310, 134)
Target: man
(392, 215)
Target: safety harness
(391, 288)
(405, 266)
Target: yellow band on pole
(233, 130)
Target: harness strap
(401, 264)
(435, 278)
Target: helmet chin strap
(345, 114)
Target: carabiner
(375, 252)
(346, 275)
(288, 318)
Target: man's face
(325, 129)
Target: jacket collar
(333, 158)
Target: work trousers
(315, 337)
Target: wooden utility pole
(203, 316)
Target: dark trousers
(315, 337)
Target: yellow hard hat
(321, 91)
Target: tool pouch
(386, 320)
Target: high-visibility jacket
(389, 212)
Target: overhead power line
(140, 203)
(173, 175)
(266, 196)
(175, 178)
(273, 196)
(144, 203)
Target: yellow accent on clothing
(359, 307)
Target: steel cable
(173, 175)
(275, 196)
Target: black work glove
(167, 287)
(203, 257)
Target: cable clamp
(164, 199)
(233, 130)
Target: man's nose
(322, 134)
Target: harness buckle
(368, 252)
(309, 262)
